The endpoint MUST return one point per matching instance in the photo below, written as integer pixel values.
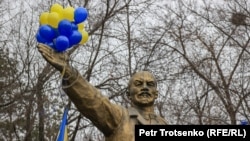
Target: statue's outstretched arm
(88, 99)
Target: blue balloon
(65, 27)
(80, 14)
(244, 122)
(51, 44)
(74, 26)
(61, 43)
(40, 39)
(75, 38)
(56, 32)
(47, 32)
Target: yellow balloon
(56, 8)
(80, 26)
(44, 18)
(85, 37)
(53, 19)
(68, 13)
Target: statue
(114, 121)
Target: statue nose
(145, 87)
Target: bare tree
(213, 51)
(198, 51)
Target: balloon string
(64, 66)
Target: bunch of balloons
(62, 28)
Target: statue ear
(156, 94)
(128, 95)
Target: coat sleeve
(105, 115)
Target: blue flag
(63, 132)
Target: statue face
(142, 90)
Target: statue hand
(56, 59)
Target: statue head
(142, 89)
